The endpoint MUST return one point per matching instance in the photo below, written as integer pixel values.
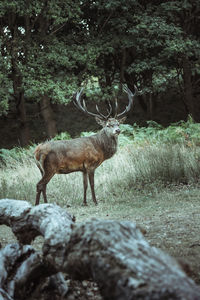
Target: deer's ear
(122, 120)
(100, 122)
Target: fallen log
(113, 254)
(48, 220)
(125, 266)
(22, 273)
(27, 223)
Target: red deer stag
(83, 154)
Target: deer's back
(69, 156)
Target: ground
(170, 218)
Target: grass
(135, 171)
(139, 182)
(153, 182)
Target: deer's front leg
(85, 185)
(91, 179)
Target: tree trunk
(189, 99)
(18, 92)
(24, 134)
(113, 254)
(122, 66)
(48, 116)
(150, 106)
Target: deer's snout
(117, 131)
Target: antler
(130, 97)
(83, 108)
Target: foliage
(34, 50)
(87, 133)
(5, 87)
(52, 48)
(62, 136)
(16, 155)
(180, 132)
(57, 45)
(187, 133)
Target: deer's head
(111, 124)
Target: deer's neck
(107, 143)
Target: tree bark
(122, 66)
(113, 254)
(48, 116)
(18, 92)
(24, 133)
(22, 273)
(189, 99)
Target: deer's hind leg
(41, 187)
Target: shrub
(16, 155)
(180, 132)
(62, 136)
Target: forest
(49, 49)
(142, 239)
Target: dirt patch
(178, 235)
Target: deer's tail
(39, 158)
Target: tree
(184, 50)
(38, 64)
(152, 43)
(49, 48)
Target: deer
(83, 154)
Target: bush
(16, 155)
(180, 132)
(62, 136)
(88, 133)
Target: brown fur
(83, 154)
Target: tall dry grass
(132, 169)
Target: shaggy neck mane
(107, 143)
